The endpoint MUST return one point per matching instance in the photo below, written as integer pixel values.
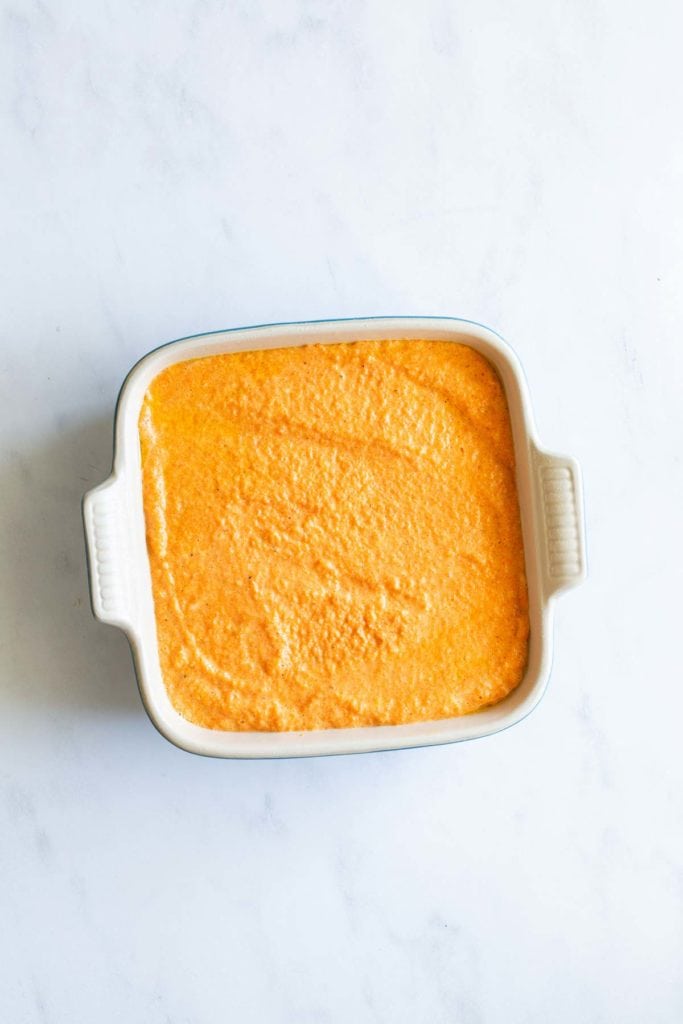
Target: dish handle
(109, 562)
(558, 478)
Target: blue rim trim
(305, 323)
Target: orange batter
(334, 535)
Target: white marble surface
(171, 168)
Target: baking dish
(551, 507)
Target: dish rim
(551, 506)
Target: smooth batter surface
(334, 535)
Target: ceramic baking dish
(552, 524)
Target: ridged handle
(561, 500)
(108, 556)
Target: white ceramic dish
(552, 524)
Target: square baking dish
(551, 507)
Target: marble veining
(175, 168)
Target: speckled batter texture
(334, 535)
